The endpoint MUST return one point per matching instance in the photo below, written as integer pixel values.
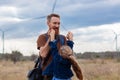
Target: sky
(94, 23)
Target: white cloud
(96, 38)
(8, 11)
(27, 46)
(8, 14)
(113, 2)
(83, 6)
(9, 19)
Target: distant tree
(6, 56)
(78, 55)
(33, 57)
(0, 56)
(16, 56)
(97, 56)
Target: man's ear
(48, 23)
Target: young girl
(61, 65)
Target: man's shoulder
(41, 40)
(43, 35)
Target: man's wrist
(52, 38)
(71, 39)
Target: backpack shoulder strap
(37, 62)
(46, 36)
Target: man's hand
(70, 36)
(52, 34)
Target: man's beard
(56, 31)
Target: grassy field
(92, 70)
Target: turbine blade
(54, 5)
(39, 17)
(35, 18)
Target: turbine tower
(2, 40)
(116, 40)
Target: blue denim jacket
(61, 66)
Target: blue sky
(93, 23)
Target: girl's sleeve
(70, 43)
(53, 46)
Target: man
(53, 22)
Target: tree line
(16, 56)
(101, 55)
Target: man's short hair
(52, 15)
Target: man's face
(54, 23)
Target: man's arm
(42, 45)
(44, 49)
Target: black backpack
(36, 72)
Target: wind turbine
(116, 40)
(2, 39)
